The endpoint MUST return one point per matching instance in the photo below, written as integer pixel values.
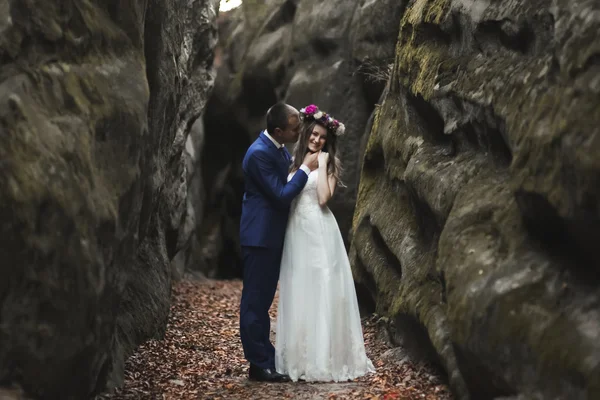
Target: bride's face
(317, 139)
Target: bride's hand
(323, 158)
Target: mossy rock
(479, 200)
(96, 99)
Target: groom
(264, 219)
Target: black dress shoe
(266, 375)
(281, 377)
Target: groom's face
(292, 131)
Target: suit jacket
(268, 195)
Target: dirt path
(201, 358)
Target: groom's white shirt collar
(275, 142)
(279, 145)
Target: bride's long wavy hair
(301, 148)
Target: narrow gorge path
(201, 358)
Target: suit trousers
(261, 274)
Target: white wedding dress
(319, 334)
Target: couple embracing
(288, 233)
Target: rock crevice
(328, 53)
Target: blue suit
(265, 210)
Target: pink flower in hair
(311, 109)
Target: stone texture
(479, 200)
(96, 101)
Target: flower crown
(332, 125)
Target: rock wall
(301, 51)
(96, 101)
(479, 201)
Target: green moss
(418, 60)
(430, 11)
(366, 181)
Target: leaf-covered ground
(201, 358)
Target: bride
(319, 334)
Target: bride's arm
(325, 185)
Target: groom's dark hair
(277, 117)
